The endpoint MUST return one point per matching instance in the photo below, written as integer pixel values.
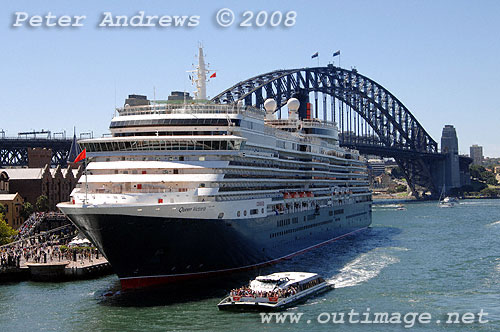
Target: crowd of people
(248, 292)
(45, 248)
(29, 225)
(10, 259)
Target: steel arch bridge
(370, 118)
(14, 151)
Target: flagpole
(86, 183)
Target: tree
(492, 181)
(476, 170)
(489, 192)
(400, 188)
(480, 173)
(397, 172)
(27, 210)
(3, 211)
(6, 232)
(42, 204)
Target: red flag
(81, 156)
(213, 75)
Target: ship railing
(131, 191)
(318, 123)
(189, 109)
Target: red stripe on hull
(142, 282)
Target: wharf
(65, 270)
(69, 270)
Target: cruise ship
(193, 189)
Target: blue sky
(440, 58)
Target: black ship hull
(146, 251)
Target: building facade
(55, 183)
(13, 203)
(4, 183)
(476, 153)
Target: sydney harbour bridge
(369, 118)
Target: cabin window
(238, 213)
(221, 215)
(176, 171)
(254, 211)
(245, 212)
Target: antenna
(154, 98)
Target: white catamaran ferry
(275, 291)
(189, 189)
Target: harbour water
(424, 259)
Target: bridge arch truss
(370, 118)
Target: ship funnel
(293, 105)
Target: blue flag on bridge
(315, 55)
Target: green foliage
(65, 248)
(6, 232)
(398, 173)
(480, 173)
(400, 188)
(42, 204)
(489, 192)
(27, 210)
(3, 211)
(476, 170)
(492, 181)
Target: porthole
(238, 213)
(245, 212)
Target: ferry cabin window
(238, 214)
(254, 211)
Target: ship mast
(200, 79)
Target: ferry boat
(190, 189)
(275, 291)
